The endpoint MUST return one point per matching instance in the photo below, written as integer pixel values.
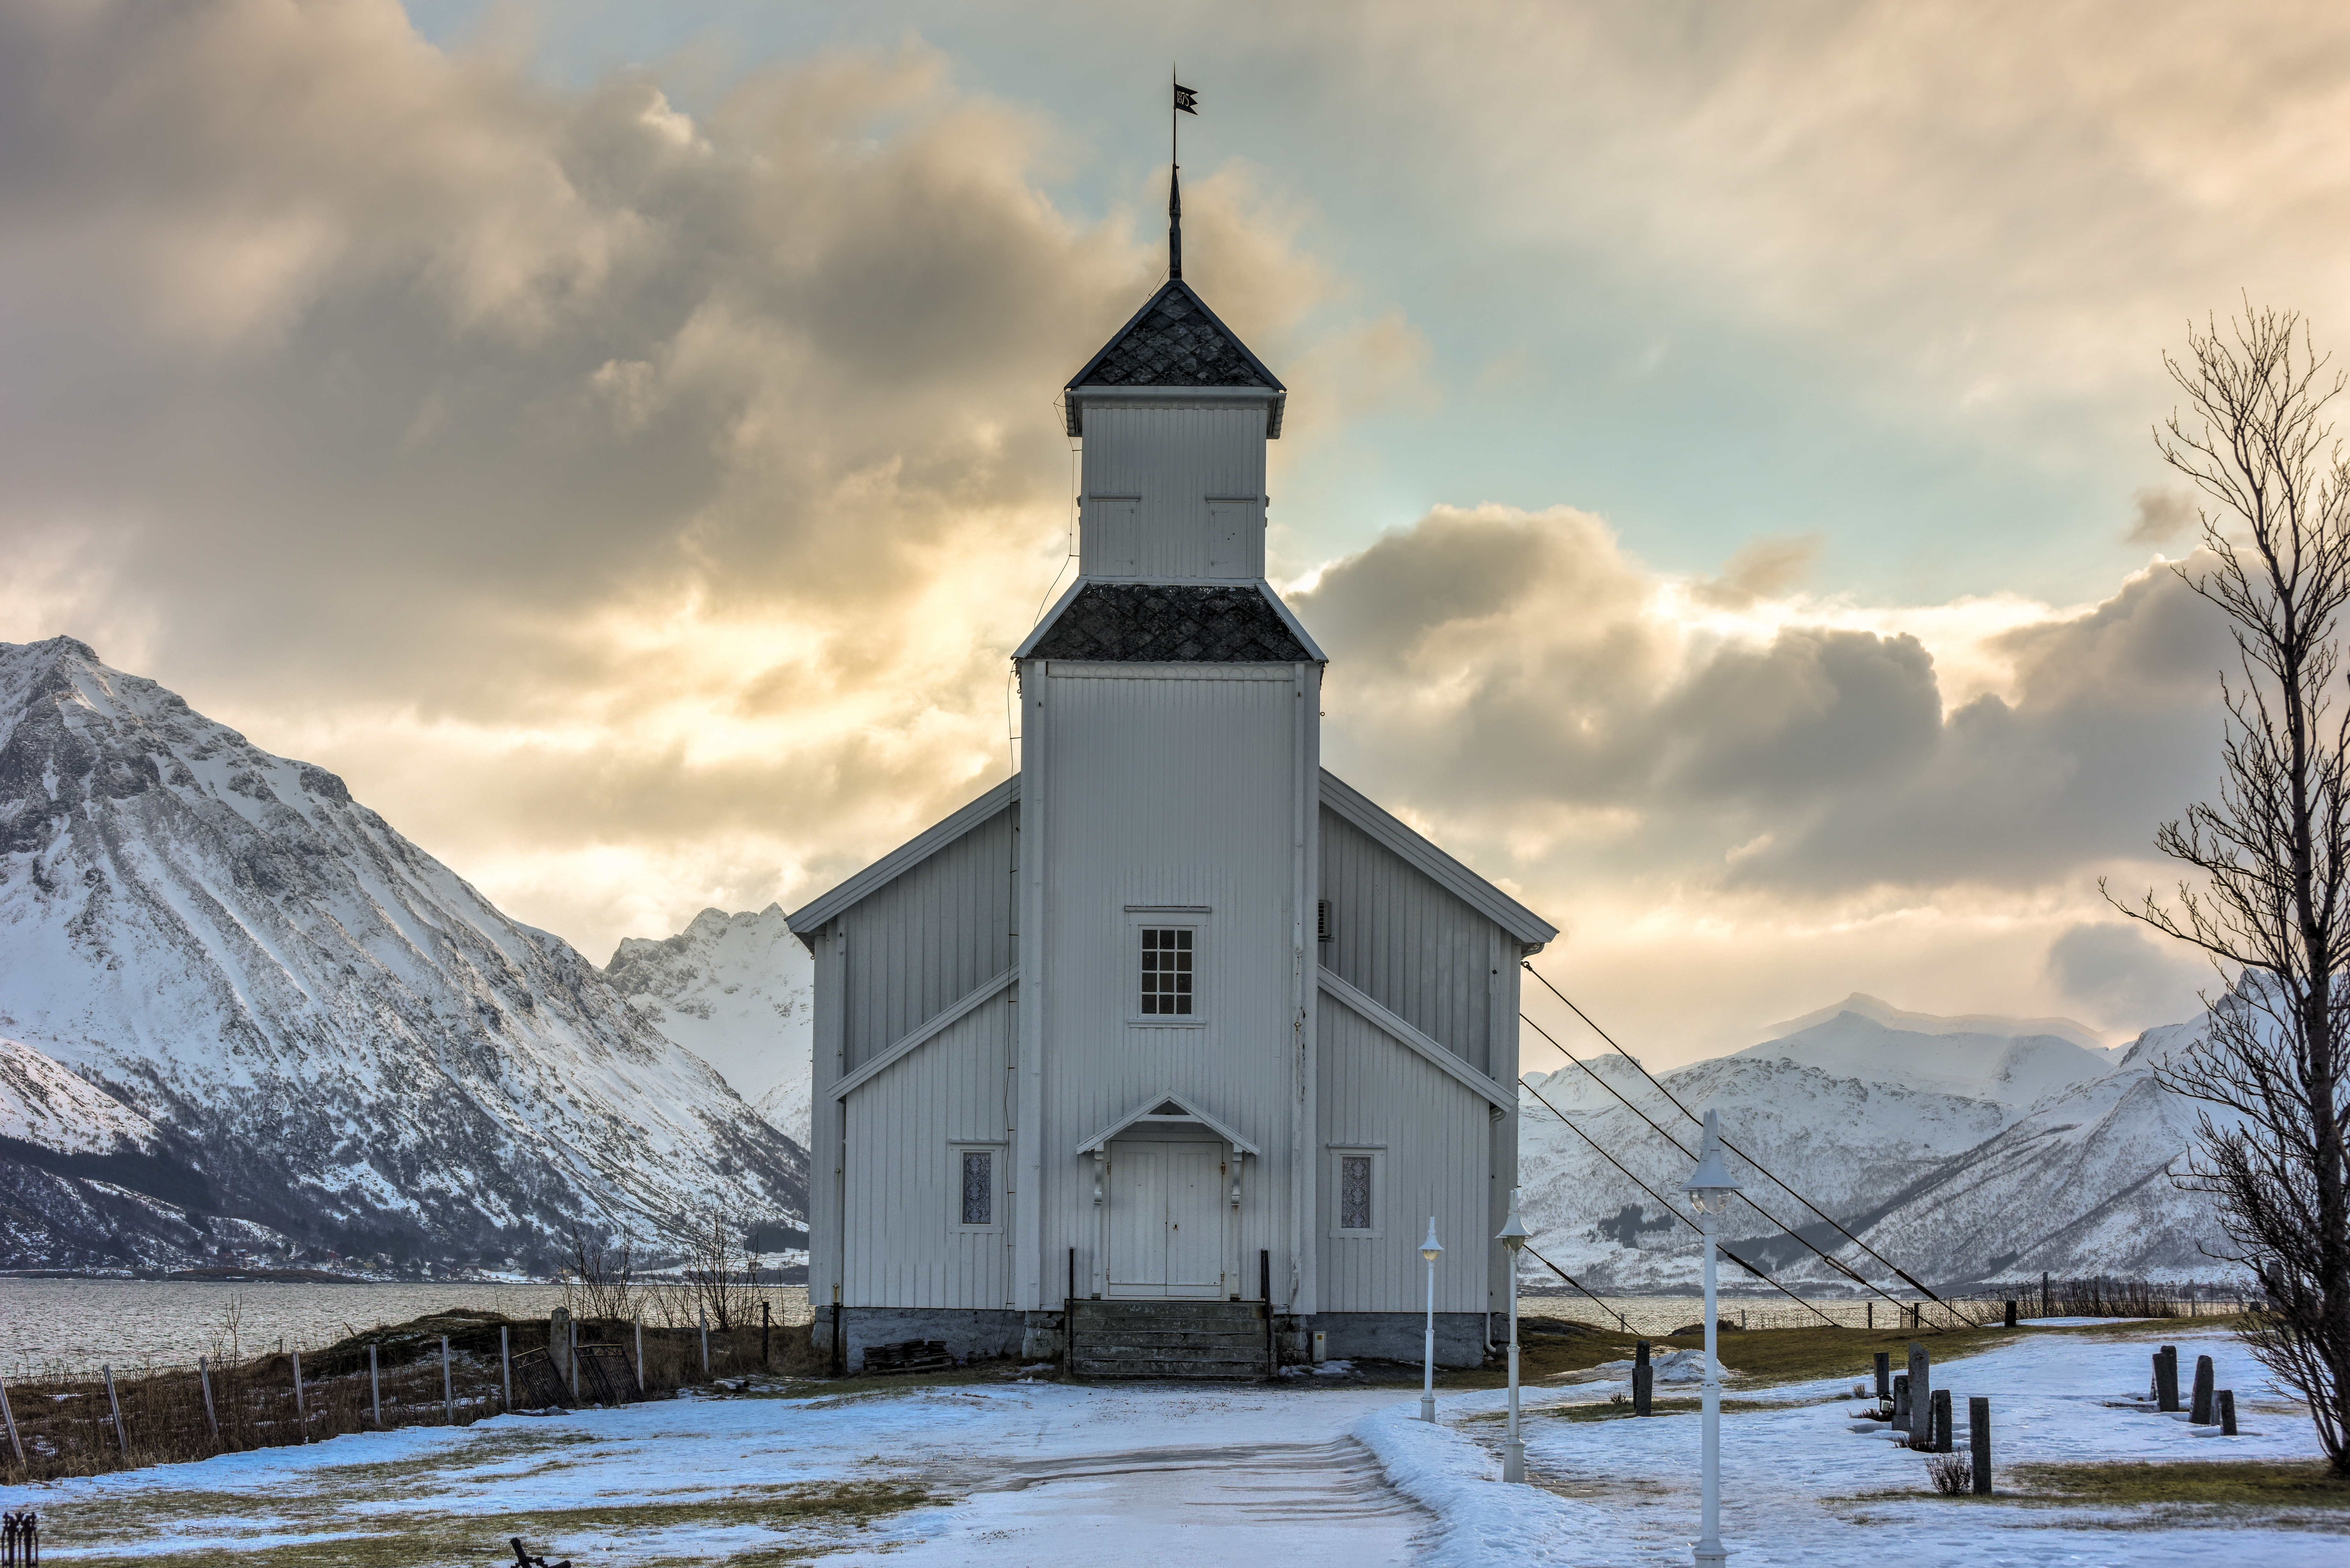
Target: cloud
(2160, 514)
(613, 495)
(1519, 679)
(2119, 970)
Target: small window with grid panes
(1167, 975)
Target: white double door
(1166, 1219)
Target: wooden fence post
(121, 1436)
(1978, 1440)
(506, 1367)
(375, 1386)
(448, 1389)
(204, 1376)
(301, 1414)
(2011, 1313)
(18, 1444)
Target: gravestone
(1901, 1401)
(1979, 1442)
(2199, 1412)
(2165, 1378)
(558, 1342)
(1938, 1427)
(1644, 1380)
(1921, 1394)
(2227, 1412)
(1884, 1375)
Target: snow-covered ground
(1040, 1474)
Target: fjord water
(60, 1325)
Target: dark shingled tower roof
(1170, 623)
(1176, 341)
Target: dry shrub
(1953, 1475)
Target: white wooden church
(1160, 1053)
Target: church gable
(1157, 623)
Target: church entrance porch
(1166, 1219)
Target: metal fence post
(203, 1376)
(115, 1405)
(18, 1444)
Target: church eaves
(1176, 341)
(1161, 623)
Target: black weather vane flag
(1186, 102)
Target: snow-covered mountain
(738, 991)
(1961, 1149)
(299, 1019)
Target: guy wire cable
(1675, 1212)
(1621, 1320)
(1902, 1273)
(1828, 1257)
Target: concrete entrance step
(1181, 1339)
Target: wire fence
(448, 1370)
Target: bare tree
(599, 1281)
(2269, 898)
(718, 1268)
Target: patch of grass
(2240, 1483)
(818, 1510)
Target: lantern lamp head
(1514, 1233)
(1710, 1187)
(1430, 1249)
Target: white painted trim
(1109, 394)
(1531, 929)
(1045, 622)
(1071, 670)
(1101, 1139)
(1296, 627)
(1357, 1001)
(969, 1003)
(810, 918)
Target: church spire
(1186, 102)
(1175, 221)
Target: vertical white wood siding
(1433, 1139)
(1174, 493)
(1170, 785)
(904, 1245)
(1398, 935)
(922, 941)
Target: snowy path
(1323, 1503)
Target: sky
(620, 440)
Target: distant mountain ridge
(318, 1037)
(1962, 1148)
(738, 990)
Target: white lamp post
(1513, 1236)
(1431, 1252)
(1710, 1187)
